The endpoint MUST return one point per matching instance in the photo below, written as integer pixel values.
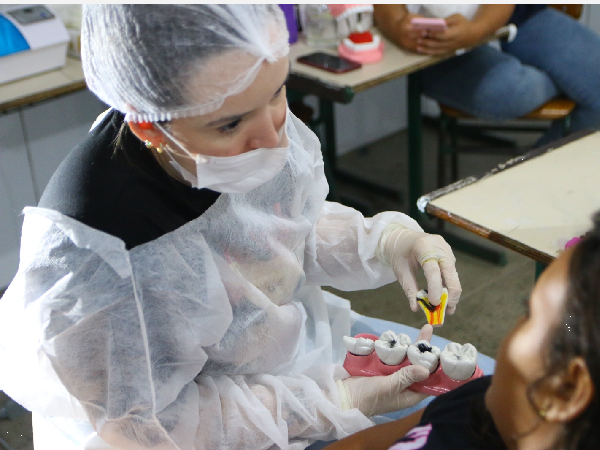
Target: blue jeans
(551, 55)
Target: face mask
(233, 174)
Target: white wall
(371, 115)
(591, 17)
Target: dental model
(367, 356)
(424, 354)
(355, 21)
(359, 346)
(435, 314)
(391, 348)
(459, 361)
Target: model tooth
(459, 361)
(359, 346)
(424, 354)
(392, 348)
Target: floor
(492, 294)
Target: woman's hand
(407, 36)
(393, 21)
(406, 250)
(461, 33)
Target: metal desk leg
(415, 145)
(326, 116)
(415, 173)
(539, 268)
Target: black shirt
(125, 193)
(523, 12)
(456, 420)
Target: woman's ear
(569, 393)
(146, 132)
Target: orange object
(435, 314)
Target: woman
(169, 288)
(543, 394)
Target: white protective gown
(215, 335)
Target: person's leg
(489, 84)
(569, 52)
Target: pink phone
(426, 23)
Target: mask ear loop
(169, 150)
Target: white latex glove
(384, 394)
(405, 250)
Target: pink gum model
(370, 366)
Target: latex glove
(384, 394)
(405, 250)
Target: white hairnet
(160, 62)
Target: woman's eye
(230, 126)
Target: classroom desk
(532, 204)
(329, 88)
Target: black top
(456, 420)
(125, 193)
(524, 12)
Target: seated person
(542, 394)
(551, 55)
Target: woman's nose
(267, 133)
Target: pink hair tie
(572, 242)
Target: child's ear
(145, 131)
(569, 393)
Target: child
(542, 394)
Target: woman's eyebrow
(235, 117)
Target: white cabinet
(34, 140)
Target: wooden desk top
(532, 204)
(43, 86)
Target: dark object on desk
(328, 62)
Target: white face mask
(233, 174)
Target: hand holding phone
(428, 23)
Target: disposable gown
(215, 335)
